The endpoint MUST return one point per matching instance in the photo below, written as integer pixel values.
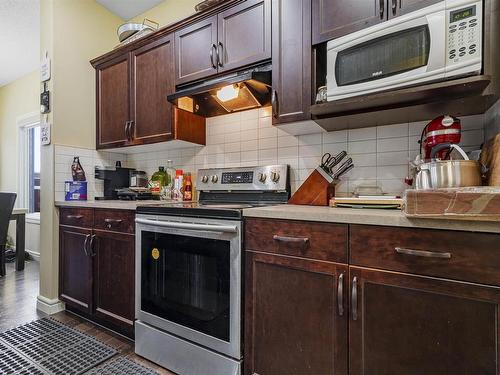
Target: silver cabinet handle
(381, 9)
(76, 217)
(354, 298)
(110, 222)
(220, 55)
(422, 253)
(91, 246)
(340, 294)
(275, 104)
(130, 134)
(85, 244)
(394, 6)
(127, 134)
(303, 240)
(212, 47)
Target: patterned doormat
(48, 347)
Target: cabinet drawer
(467, 256)
(297, 238)
(77, 217)
(115, 220)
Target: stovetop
(233, 210)
(225, 192)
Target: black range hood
(251, 89)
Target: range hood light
(228, 93)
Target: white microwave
(434, 43)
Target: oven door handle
(190, 226)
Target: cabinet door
(196, 51)
(244, 34)
(335, 18)
(152, 81)
(113, 98)
(75, 267)
(296, 320)
(400, 7)
(291, 60)
(403, 324)
(114, 273)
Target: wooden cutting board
(490, 157)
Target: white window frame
(24, 123)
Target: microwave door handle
(189, 226)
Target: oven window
(186, 280)
(383, 57)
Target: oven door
(406, 50)
(188, 279)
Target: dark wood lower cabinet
(97, 266)
(296, 316)
(114, 270)
(405, 324)
(75, 268)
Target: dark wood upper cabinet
(400, 7)
(335, 18)
(403, 324)
(196, 51)
(114, 274)
(152, 81)
(296, 316)
(113, 102)
(292, 93)
(75, 267)
(231, 39)
(244, 34)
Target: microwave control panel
(464, 31)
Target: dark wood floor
(18, 293)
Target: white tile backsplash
(381, 153)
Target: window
(29, 162)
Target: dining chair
(7, 201)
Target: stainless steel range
(189, 271)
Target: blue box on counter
(75, 190)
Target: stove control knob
(215, 178)
(204, 179)
(275, 176)
(262, 177)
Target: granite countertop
(109, 204)
(366, 216)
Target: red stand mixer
(438, 135)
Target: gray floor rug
(48, 347)
(121, 366)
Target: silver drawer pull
(302, 240)
(76, 217)
(422, 253)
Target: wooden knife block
(315, 191)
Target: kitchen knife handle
(354, 298)
(212, 55)
(220, 55)
(340, 294)
(275, 104)
(422, 253)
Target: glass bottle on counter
(168, 192)
(158, 181)
(188, 187)
(178, 185)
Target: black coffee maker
(114, 179)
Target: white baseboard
(49, 306)
(35, 255)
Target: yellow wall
(16, 99)
(168, 11)
(82, 30)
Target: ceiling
(19, 38)
(127, 9)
